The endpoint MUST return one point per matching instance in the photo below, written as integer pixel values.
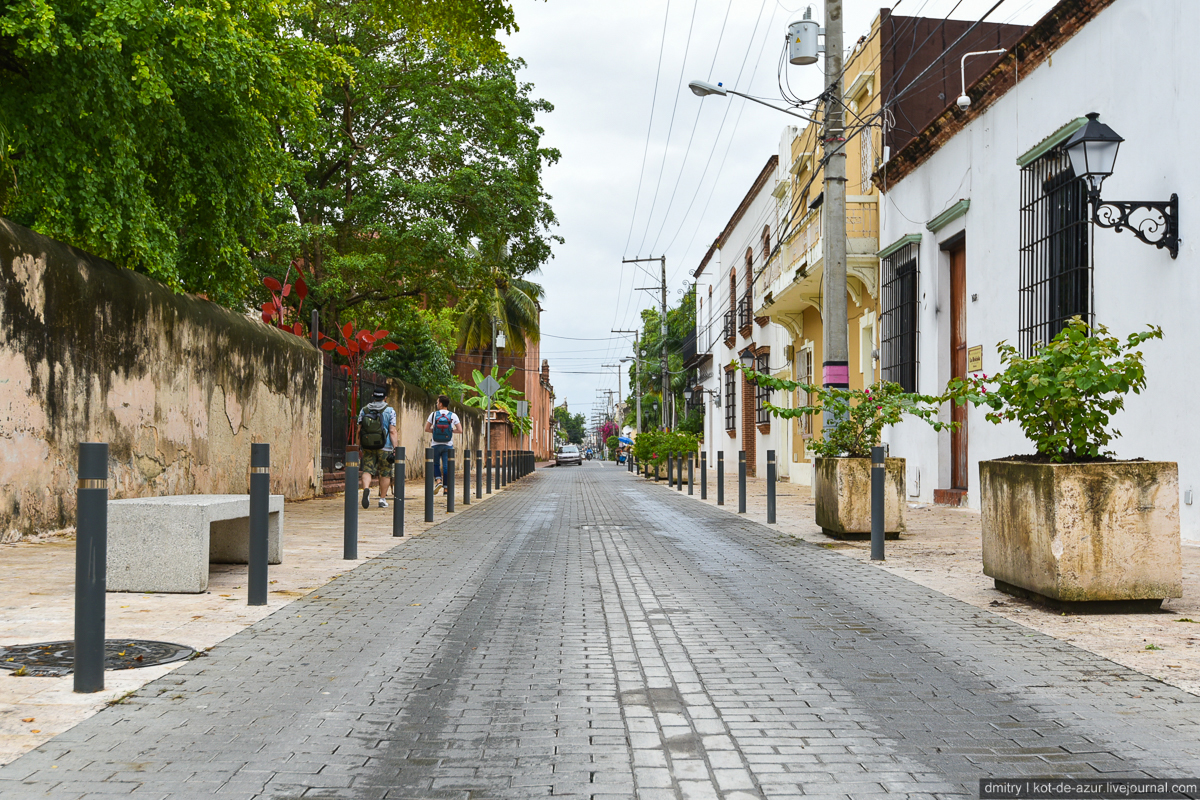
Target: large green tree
(425, 151)
(571, 427)
(145, 131)
(157, 134)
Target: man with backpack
(443, 424)
(376, 440)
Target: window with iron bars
(762, 394)
(730, 398)
(744, 311)
(729, 331)
(1056, 281)
(899, 333)
(804, 374)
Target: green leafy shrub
(653, 447)
(1064, 394)
(859, 414)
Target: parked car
(569, 454)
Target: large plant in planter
(1070, 522)
(652, 448)
(842, 479)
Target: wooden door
(958, 362)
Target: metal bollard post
(350, 524)
(656, 476)
(91, 564)
(691, 457)
(260, 502)
(679, 477)
(703, 474)
(398, 477)
(670, 470)
(488, 459)
(466, 477)
(502, 459)
(478, 474)
(770, 487)
(448, 480)
(721, 478)
(741, 481)
(878, 476)
(429, 484)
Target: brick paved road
(588, 635)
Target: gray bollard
(741, 481)
(770, 487)
(91, 564)
(398, 478)
(703, 474)
(691, 456)
(878, 476)
(466, 477)
(448, 480)
(679, 475)
(429, 484)
(478, 474)
(670, 470)
(488, 459)
(260, 509)
(721, 478)
(350, 523)
(502, 471)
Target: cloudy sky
(630, 132)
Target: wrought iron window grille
(900, 332)
(730, 388)
(1056, 272)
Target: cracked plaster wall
(178, 386)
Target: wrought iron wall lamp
(1093, 152)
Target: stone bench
(165, 544)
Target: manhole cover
(53, 659)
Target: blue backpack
(443, 427)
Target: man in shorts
(376, 426)
(443, 424)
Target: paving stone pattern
(589, 635)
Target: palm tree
(510, 302)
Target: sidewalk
(941, 550)
(37, 601)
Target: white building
(987, 235)
(726, 326)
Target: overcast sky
(598, 63)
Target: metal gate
(338, 429)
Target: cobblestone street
(591, 635)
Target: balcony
(729, 332)
(791, 282)
(692, 357)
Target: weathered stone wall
(178, 386)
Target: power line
(645, 150)
(671, 126)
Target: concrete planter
(842, 492)
(1082, 532)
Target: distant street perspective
(603, 399)
(588, 634)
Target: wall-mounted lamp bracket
(1158, 227)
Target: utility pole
(662, 260)
(637, 378)
(836, 344)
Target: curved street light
(704, 89)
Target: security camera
(964, 102)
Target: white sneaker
(382, 503)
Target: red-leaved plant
(354, 347)
(277, 312)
